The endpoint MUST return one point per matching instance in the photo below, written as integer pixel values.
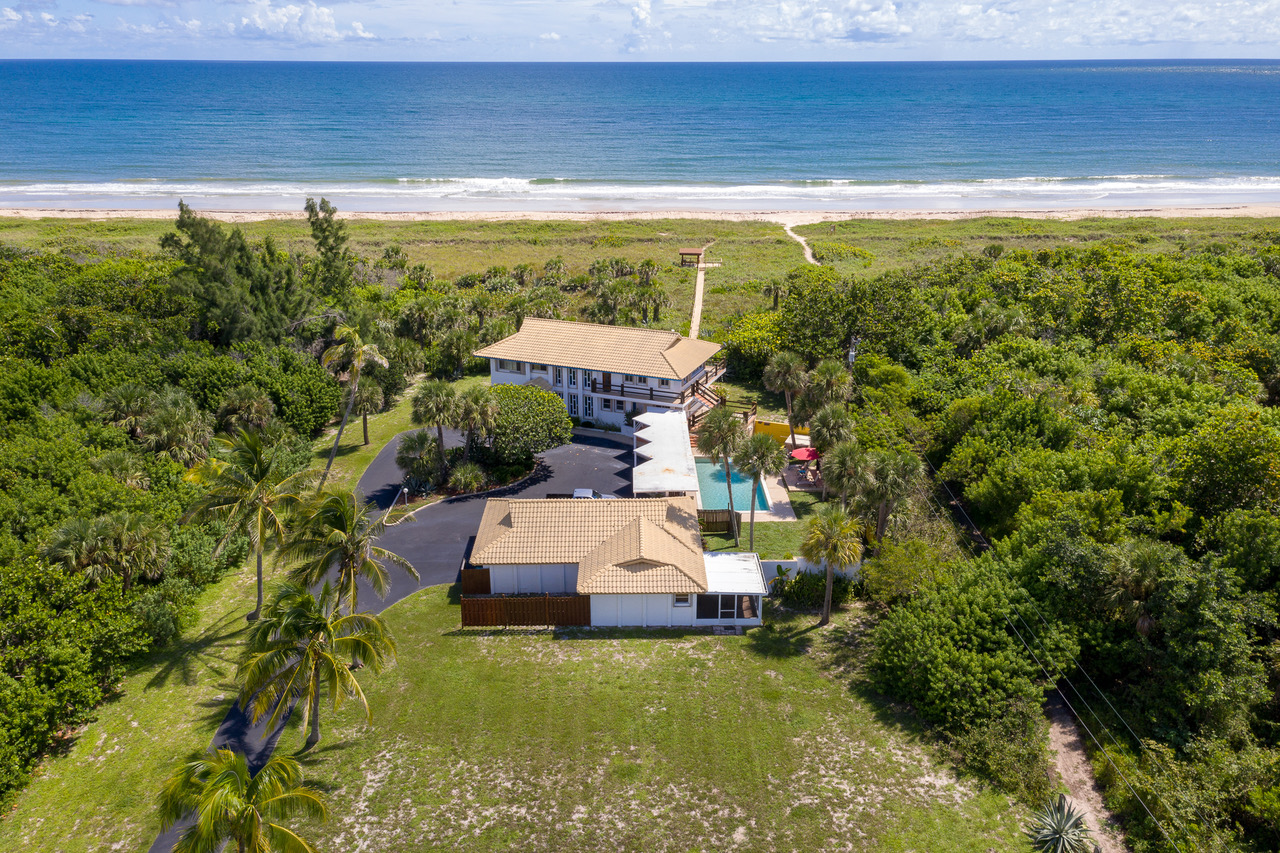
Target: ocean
(492, 136)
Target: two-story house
(605, 372)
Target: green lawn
(100, 794)
(354, 455)
(637, 740)
(775, 540)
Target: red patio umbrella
(804, 454)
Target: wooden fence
(717, 520)
(525, 610)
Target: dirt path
(1076, 773)
(808, 254)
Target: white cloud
(296, 23)
(552, 36)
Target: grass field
(100, 794)
(637, 740)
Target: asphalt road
(434, 541)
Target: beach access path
(808, 253)
(699, 283)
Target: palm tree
(246, 492)
(338, 530)
(350, 350)
(176, 428)
(760, 456)
(123, 467)
(412, 457)
(245, 407)
(774, 288)
(368, 402)
(848, 469)
(80, 545)
(231, 805)
(833, 538)
(1059, 828)
(894, 474)
(124, 543)
(785, 373)
(299, 647)
(127, 407)
(831, 426)
(477, 412)
(1136, 568)
(829, 382)
(720, 436)
(436, 404)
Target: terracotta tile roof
(646, 545)
(615, 349)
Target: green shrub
(829, 251)
(467, 478)
(805, 590)
(751, 342)
(1011, 750)
(165, 609)
(529, 421)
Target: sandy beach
(788, 218)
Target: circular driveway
(435, 540)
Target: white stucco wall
(559, 578)
(646, 611)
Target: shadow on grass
(210, 650)
(771, 641)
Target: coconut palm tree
(720, 436)
(833, 538)
(300, 646)
(1059, 828)
(232, 806)
(354, 353)
(894, 475)
(368, 402)
(337, 530)
(477, 413)
(436, 404)
(785, 373)
(247, 493)
(760, 456)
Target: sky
(639, 30)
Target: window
(587, 406)
(682, 600)
(586, 379)
(559, 376)
(510, 366)
(664, 383)
(573, 378)
(627, 377)
(728, 606)
(606, 403)
(573, 405)
(539, 368)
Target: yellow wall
(778, 432)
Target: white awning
(734, 572)
(662, 441)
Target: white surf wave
(563, 193)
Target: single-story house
(639, 560)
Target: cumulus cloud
(552, 36)
(295, 23)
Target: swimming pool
(716, 496)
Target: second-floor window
(559, 376)
(664, 383)
(539, 368)
(510, 366)
(573, 378)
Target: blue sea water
(425, 136)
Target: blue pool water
(716, 496)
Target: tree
(332, 272)
(176, 429)
(833, 538)
(416, 455)
(894, 475)
(353, 352)
(247, 492)
(436, 404)
(368, 401)
(785, 373)
(831, 426)
(81, 545)
(760, 456)
(775, 289)
(128, 407)
(721, 436)
(477, 413)
(847, 468)
(245, 407)
(336, 530)
(829, 382)
(230, 805)
(124, 543)
(300, 647)
(530, 420)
